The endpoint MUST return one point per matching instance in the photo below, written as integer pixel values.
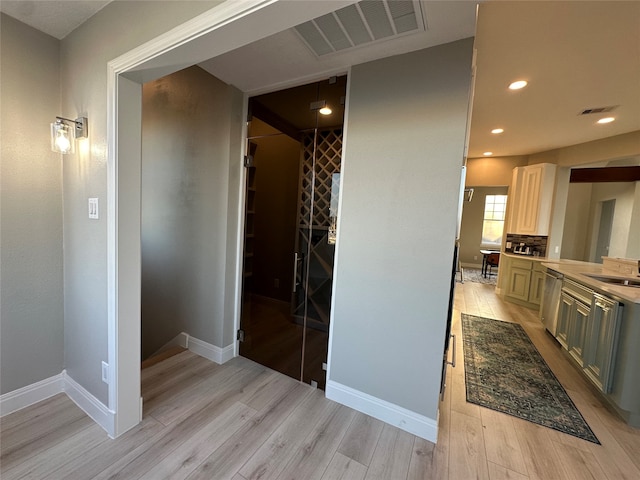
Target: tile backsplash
(536, 243)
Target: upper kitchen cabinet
(532, 189)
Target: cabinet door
(564, 319)
(537, 287)
(519, 281)
(601, 342)
(529, 199)
(578, 324)
(533, 190)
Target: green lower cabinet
(602, 339)
(564, 317)
(519, 281)
(590, 334)
(578, 325)
(537, 286)
(525, 282)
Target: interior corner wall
(472, 222)
(576, 222)
(32, 328)
(186, 122)
(84, 54)
(624, 195)
(492, 171)
(401, 171)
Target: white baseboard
(209, 351)
(390, 413)
(36, 392)
(90, 404)
(61, 383)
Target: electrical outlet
(105, 372)
(475, 257)
(557, 249)
(276, 283)
(324, 366)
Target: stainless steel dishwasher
(551, 300)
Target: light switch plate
(93, 209)
(105, 372)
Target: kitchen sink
(625, 282)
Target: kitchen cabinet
(588, 325)
(610, 355)
(564, 314)
(602, 340)
(575, 309)
(531, 194)
(525, 281)
(537, 284)
(578, 324)
(519, 283)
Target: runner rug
(505, 372)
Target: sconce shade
(62, 137)
(65, 131)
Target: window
(495, 207)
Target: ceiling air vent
(365, 22)
(590, 111)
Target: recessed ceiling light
(325, 111)
(606, 120)
(518, 85)
(487, 154)
(497, 130)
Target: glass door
(300, 334)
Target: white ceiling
(57, 18)
(576, 55)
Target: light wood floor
(241, 421)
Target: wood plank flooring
(242, 421)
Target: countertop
(579, 272)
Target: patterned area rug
(505, 372)
(475, 275)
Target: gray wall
(624, 195)
(582, 218)
(576, 222)
(472, 220)
(186, 125)
(403, 152)
(32, 339)
(114, 30)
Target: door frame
(224, 28)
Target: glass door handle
(296, 259)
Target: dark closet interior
(291, 207)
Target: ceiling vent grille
(362, 23)
(589, 111)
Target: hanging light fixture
(65, 131)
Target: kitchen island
(599, 327)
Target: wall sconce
(65, 131)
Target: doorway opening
(293, 176)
